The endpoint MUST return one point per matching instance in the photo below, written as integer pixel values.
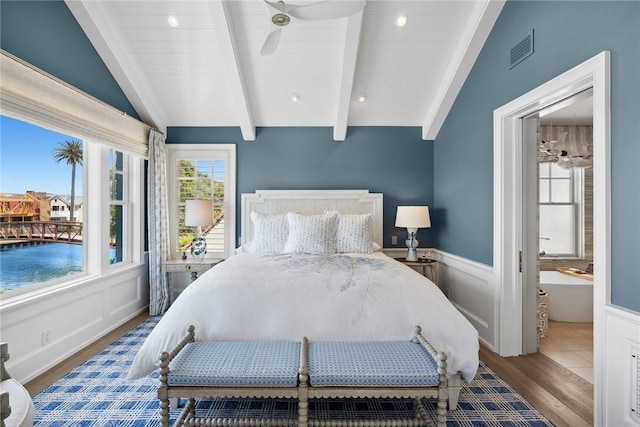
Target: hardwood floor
(561, 396)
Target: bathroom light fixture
(412, 218)
(295, 98)
(173, 21)
(402, 20)
(361, 98)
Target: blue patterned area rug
(98, 394)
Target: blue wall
(454, 176)
(394, 161)
(566, 34)
(46, 35)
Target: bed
(293, 278)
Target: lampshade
(413, 217)
(198, 212)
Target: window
(36, 252)
(38, 98)
(30, 202)
(560, 210)
(205, 172)
(116, 206)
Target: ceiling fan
(308, 12)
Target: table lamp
(412, 218)
(198, 213)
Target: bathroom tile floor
(571, 345)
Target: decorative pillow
(353, 234)
(269, 232)
(314, 234)
(245, 248)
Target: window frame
(177, 152)
(96, 218)
(125, 202)
(576, 179)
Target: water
(23, 266)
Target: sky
(26, 160)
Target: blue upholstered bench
(226, 369)
(385, 369)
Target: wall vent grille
(635, 383)
(521, 50)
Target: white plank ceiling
(208, 70)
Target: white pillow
(313, 234)
(353, 234)
(269, 233)
(244, 248)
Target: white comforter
(323, 297)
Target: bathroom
(565, 219)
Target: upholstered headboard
(312, 202)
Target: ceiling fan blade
(327, 10)
(271, 43)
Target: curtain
(159, 282)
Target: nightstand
(188, 265)
(428, 264)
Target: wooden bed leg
(455, 385)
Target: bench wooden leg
(303, 385)
(164, 412)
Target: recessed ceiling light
(402, 20)
(173, 21)
(361, 98)
(295, 97)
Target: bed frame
(316, 202)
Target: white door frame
(508, 212)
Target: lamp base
(412, 255)
(198, 248)
(412, 244)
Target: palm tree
(71, 151)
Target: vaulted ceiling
(208, 69)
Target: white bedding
(323, 297)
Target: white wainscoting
(74, 316)
(622, 335)
(468, 285)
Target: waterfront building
(61, 208)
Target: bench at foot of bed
(303, 371)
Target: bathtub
(570, 298)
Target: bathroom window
(560, 210)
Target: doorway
(558, 230)
(513, 302)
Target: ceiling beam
(107, 45)
(349, 58)
(481, 22)
(229, 53)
